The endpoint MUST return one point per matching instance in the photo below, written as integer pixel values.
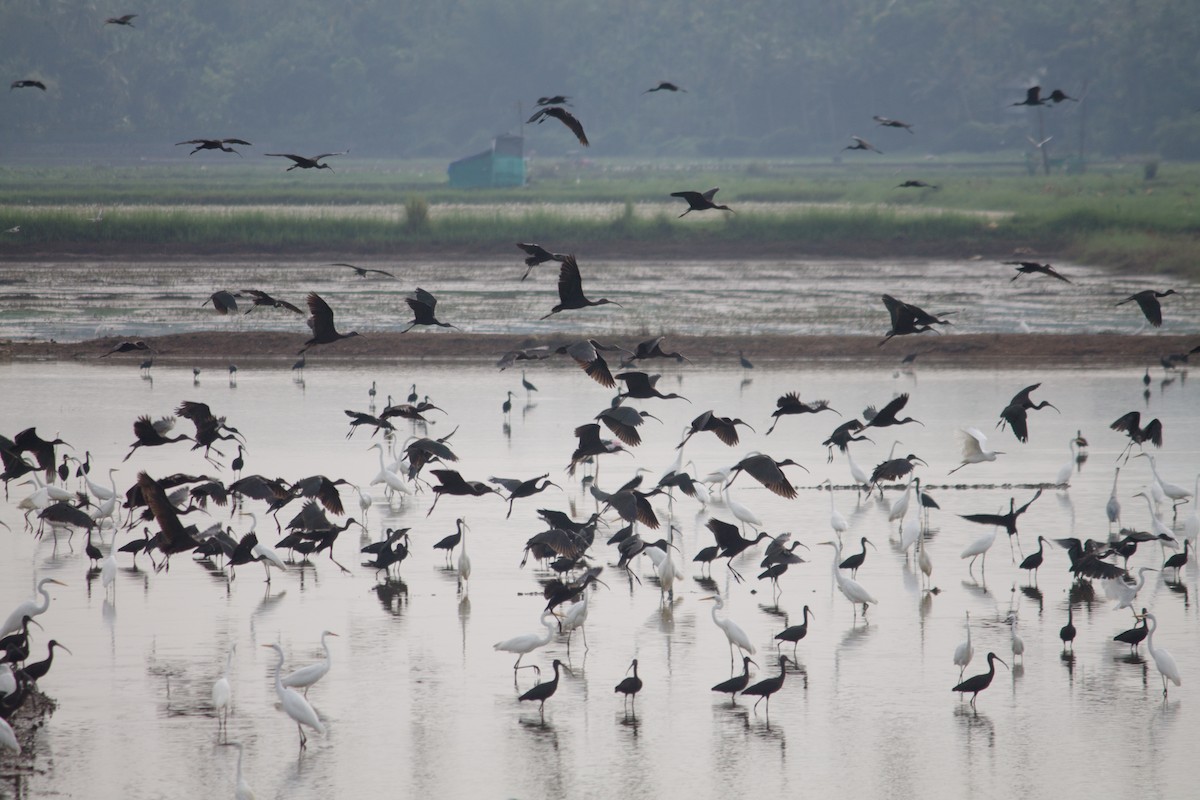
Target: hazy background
(764, 77)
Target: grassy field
(1112, 214)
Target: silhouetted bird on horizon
(1034, 268)
(554, 100)
(537, 255)
(126, 20)
(563, 116)
(215, 144)
(321, 323)
(862, 144)
(701, 201)
(363, 272)
(304, 162)
(1032, 97)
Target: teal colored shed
(502, 165)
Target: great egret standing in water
(293, 704)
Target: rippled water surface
(419, 704)
(71, 301)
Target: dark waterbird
(589, 445)
(129, 347)
(855, 560)
(731, 543)
(624, 421)
(1016, 412)
(642, 386)
(1033, 97)
(363, 272)
(537, 255)
(894, 469)
(915, 184)
(215, 144)
(701, 201)
(563, 116)
(724, 428)
(862, 144)
(544, 691)
(1007, 521)
(27, 83)
(450, 482)
(629, 687)
(977, 683)
(737, 683)
(1135, 635)
(554, 100)
(1129, 424)
(794, 633)
(665, 86)
(791, 403)
(124, 19)
(423, 305)
(769, 686)
(305, 162)
(1034, 268)
(38, 669)
(518, 488)
(886, 416)
(146, 434)
(321, 323)
(1148, 302)
(260, 298)
(892, 123)
(769, 472)
(570, 290)
(908, 319)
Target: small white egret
(965, 651)
(910, 532)
(733, 632)
(836, 520)
(575, 617)
(222, 692)
(851, 588)
(1113, 507)
(30, 607)
(979, 547)
(924, 562)
(861, 478)
(305, 677)
(743, 514)
(1162, 659)
(1191, 525)
(464, 561)
(974, 448)
(1175, 493)
(1125, 591)
(293, 704)
(108, 569)
(899, 509)
(1018, 644)
(1063, 478)
(526, 643)
(388, 478)
(243, 790)
(1165, 535)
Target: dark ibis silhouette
(129, 347)
(892, 123)
(215, 144)
(725, 428)
(665, 86)
(894, 469)
(1007, 521)
(652, 348)
(745, 362)
(537, 255)
(16, 645)
(586, 354)
(1067, 632)
(358, 418)
(977, 683)
(542, 692)
(260, 298)
(769, 686)
(1179, 560)
(1033, 97)
(1033, 561)
(590, 445)
(1058, 96)
(172, 537)
(423, 305)
(1135, 635)
(518, 488)
(886, 416)
(28, 441)
(791, 403)
(767, 471)
(731, 543)
(363, 272)
(909, 319)
(124, 19)
(222, 301)
(1034, 268)
(321, 323)
(565, 117)
(209, 427)
(27, 83)
(862, 144)
(915, 184)
(570, 290)
(554, 100)
(1148, 302)
(794, 633)
(147, 435)
(843, 435)
(1087, 559)
(629, 687)
(450, 482)
(1015, 413)
(38, 669)
(737, 683)
(448, 543)
(305, 162)
(1129, 424)
(855, 560)
(701, 201)
(642, 386)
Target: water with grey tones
(419, 704)
(72, 301)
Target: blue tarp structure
(502, 165)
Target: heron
(565, 117)
(321, 323)
(702, 201)
(293, 703)
(526, 643)
(977, 683)
(570, 290)
(733, 632)
(1148, 302)
(29, 608)
(305, 677)
(630, 687)
(965, 650)
(974, 448)
(852, 589)
(1174, 492)
(1162, 659)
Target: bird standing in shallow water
(977, 683)
(293, 704)
(544, 691)
(630, 686)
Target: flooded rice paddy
(418, 703)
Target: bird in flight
(362, 272)
(916, 185)
(1033, 97)
(554, 100)
(665, 86)
(1147, 300)
(570, 290)
(126, 20)
(537, 255)
(1058, 95)
(215, 144)
(28, 83)
(698, 201)
(321, 323)
(563, 116)
(304, 162)
(862, 144)
(892, 123)
(1033, 268)
(423, 305)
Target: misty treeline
(762, 77)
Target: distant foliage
(416, 214)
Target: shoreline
(971, 351)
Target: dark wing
(321, 320)
(237, 141)
(295, 158)
(892, 408)
(568, 119)
(1025, 507)
(1153, 433)
(1128, 423)
(710, 194)
(164, 513)
(570, 283)
(691, 197)
(1022, 397)
(1150, 307)
(726, 535)
(986, 519)
(1014, 414)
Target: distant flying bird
(303, 162)
(321, 323)
(907, 318)
(892, 123)
(126, 20)
(28, 83)
(215, 144)
(666, 86)
(129, 347)
(554, 100)
(260, 298)
(1147, 300)
(563, 116)
(862, 144)
(570, 290)
(1034, 268)
(701, 201)
(1058, 95)
(362, 272)
(423, 304)
(537, 255)
(222, 301)
(1032, 97)
(916, 185)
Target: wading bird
(215, 144)
(260, 298)
(29, 608)
(977, 683)
(701, 201)
(629, 687)
(304, 162)
(862, 144)
(537, 255)
(737, 683)
(526, 643)
(321, 323)
(222, 693)
(1148, 302)
(974, 448)
(570, 290)
(1162, 659)
(853, 561)
(305, 677)
(563, 116)
(293, 704)
(733, 632)
(965, 651)
(886, 416)
(892, 123)
(852, 589)
(544, 691)
(363, 272)
(794, 633)
(769, 686)
(1135, 635)
(1129, 425)
(128, 347)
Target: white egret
(8, 681)
(1113, 507)
(733, 632)
(8, 739)
(851, 588)
(743, 514)
(108, 569)
(1165, 535)
(836, 520)
(1018, 644)
(575, 617)
(1125, 591)
(264, 553)
(1175, 493)
(243, 790)
(965, 651)
(860, 477)
(1063, 478)
(222, 693)
(305, 677)
(293, 704)
(924, 562)
(464, 561)
(978, 548)
(1191, 525)
(899, 508)
(910, 532)
(388, 478)
(101, 492)
(1162, 659)
(665, 567)
(974, 448)
(526, 643)
(30, 607)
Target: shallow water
(73, 301)
(418, 703)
